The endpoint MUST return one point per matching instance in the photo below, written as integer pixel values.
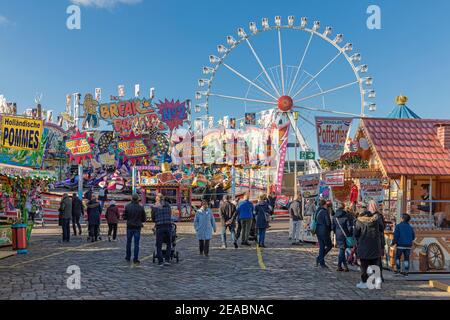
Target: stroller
(174, 254)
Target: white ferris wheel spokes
(285, 88)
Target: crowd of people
(358, 236)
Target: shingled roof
(408, 146)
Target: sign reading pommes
(21, 133)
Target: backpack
(313, 224)
(101, 192)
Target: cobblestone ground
(281, 272)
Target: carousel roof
(408, 146)
(401, 110)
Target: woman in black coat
(342, 226)
(368, 230)
(93, 212)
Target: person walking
(342, 226)
(65, 210)
(262, 213)
(88, 195)
(112, 218)
(403, 238)
(239, 224)
(245, 212)
(228, 214)
(373, 208)
(205, 225)
(135, 217)
(77, 212)
(368, 228)
(162, 217)
(296, 215)
(102, 195)
(323, 231)
(93, 213)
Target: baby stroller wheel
(177, 257)
(154, 257)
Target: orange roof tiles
(408, 146)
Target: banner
(309, 185)
(21, 133)
(371, 189)
(79, 147)
(173, 113)
(133, 147)
(131, 115)
(332, 136)
(283, 137)
(335, 178)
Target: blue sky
(164, 44)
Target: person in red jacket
(112, 217)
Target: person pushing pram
(162, 217)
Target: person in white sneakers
(368, 230)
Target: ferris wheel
(317, 75)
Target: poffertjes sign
(21, 133)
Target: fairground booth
(404, 164)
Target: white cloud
(103, 4)
(4, 21)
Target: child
(403, 238)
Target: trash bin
(19, 238)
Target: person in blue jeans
(135, 217)
(262, 213)
(323, 232)
(342, 226)
(162, 217)
(403, 238)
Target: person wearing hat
(112, 217)
(135, 217)
(162, 217)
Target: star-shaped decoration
(242, 123)
(220, 122)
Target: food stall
(175, 187)
(410, 159)
(20, 191)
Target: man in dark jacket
(342, 226)
(296, 215)
(135, 217)
(77, 212)
(368, 230)
(323, 230)
(162, 217)
(262, 213)
(228, 218)
(93, 213)
(65, 211)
